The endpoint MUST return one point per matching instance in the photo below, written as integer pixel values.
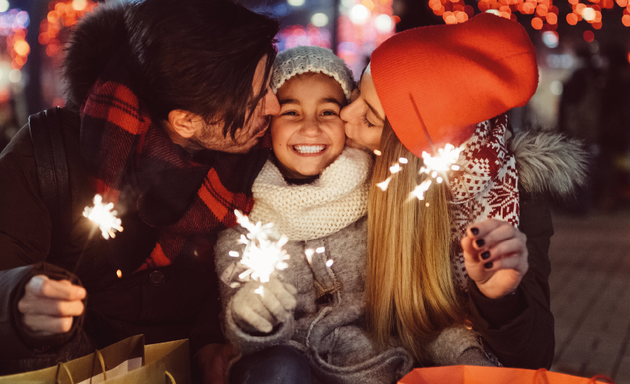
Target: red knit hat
(458, 75)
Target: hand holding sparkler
(48, 306)
(255, 312)
(259, 306)
(495, 255)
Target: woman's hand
(495, 256)
(253, 311)
(48, 306)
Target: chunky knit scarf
(183, 199)
(486, 187)
(335, 200)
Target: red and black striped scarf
(184, 199)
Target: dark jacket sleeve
(24, 244)
(17, 341)
(519, 328)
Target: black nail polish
(480, 242)
(474, 231)
(485, 255)
(488, 265)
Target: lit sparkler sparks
(104, 217)
(434, 166)
(263, 252)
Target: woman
(458, 257)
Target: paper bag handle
(102, 361)
(67, 373)
(603, 377)
(170, 377)
(593, 379)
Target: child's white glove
(261, 312)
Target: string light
(545, 14)
(61, 14)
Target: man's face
(211, 137)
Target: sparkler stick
(263, 252)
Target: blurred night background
(584, 91)
(582, 49)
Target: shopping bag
(167, 362)
(116, 359)
(468, 374)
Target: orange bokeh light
(541, 10)
(22, 48)
(625, 19)
(588, 36)
(461, 17)
(622, 3)
(572, 19)
(537, 23)
(552, 18)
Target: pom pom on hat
(303, 59)
(458, 75)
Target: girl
(308, 323)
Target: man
(167, 104)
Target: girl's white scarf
(487, 187)
(305, 212)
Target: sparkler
(263, 252)
(435, 166)
(106, 220)
(104, 217)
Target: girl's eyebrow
(323, 100)
(289, 101)
(331, 100)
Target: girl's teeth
(309, 148)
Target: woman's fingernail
(480, 242)
(474, 231)
(485, 255)
(488, 265)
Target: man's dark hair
(200, 56)
(195, 55)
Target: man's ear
(185, 123)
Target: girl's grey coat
(328, 323)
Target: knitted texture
(435, 83)
(485, 188)
(305, 212)
(298, 60)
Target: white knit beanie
(299, 60)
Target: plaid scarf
(487, 187)
(180, 200)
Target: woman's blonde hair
(410, 290)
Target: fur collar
(549, 163)
(88, 52)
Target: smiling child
(309, 324)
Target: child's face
(308, 134)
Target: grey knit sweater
(328, 325)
